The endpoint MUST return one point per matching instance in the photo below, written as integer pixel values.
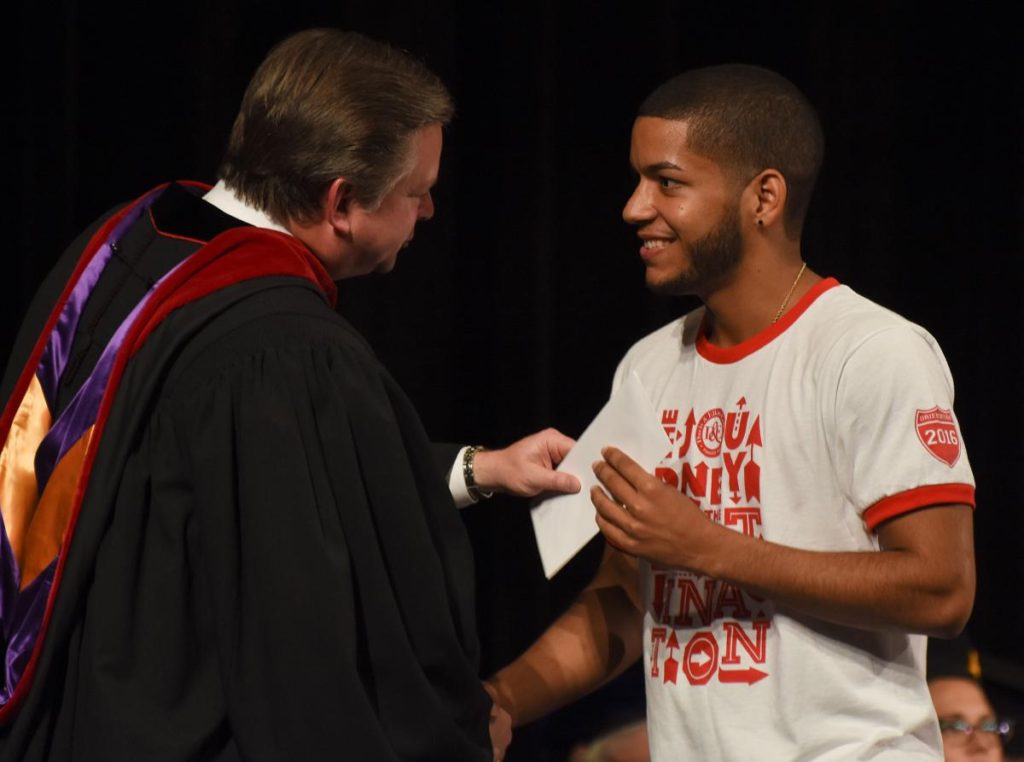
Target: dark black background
(513, 306)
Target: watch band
(468, 475)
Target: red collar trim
(726, 355)
(236, 254)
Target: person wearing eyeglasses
(970, 728)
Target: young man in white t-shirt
(812, 521)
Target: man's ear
(766, 197)
(337, 207)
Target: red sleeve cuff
(919, 497)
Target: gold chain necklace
(789, 293)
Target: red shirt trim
(919, 497)
(724, 356)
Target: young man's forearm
(594, 641)
(921, 580)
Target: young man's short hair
(747, 119)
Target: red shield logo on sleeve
(937, 431)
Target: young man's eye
(668, 182)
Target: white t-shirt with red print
(810, 434)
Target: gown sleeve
(328, 562)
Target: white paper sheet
(563, 524)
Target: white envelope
(563, 524)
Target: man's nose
(638, 207)
(426, 210)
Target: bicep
(940, 541)
(941, 535)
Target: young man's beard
(712, 259)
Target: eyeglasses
(958, 731)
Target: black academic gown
(267, 565)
